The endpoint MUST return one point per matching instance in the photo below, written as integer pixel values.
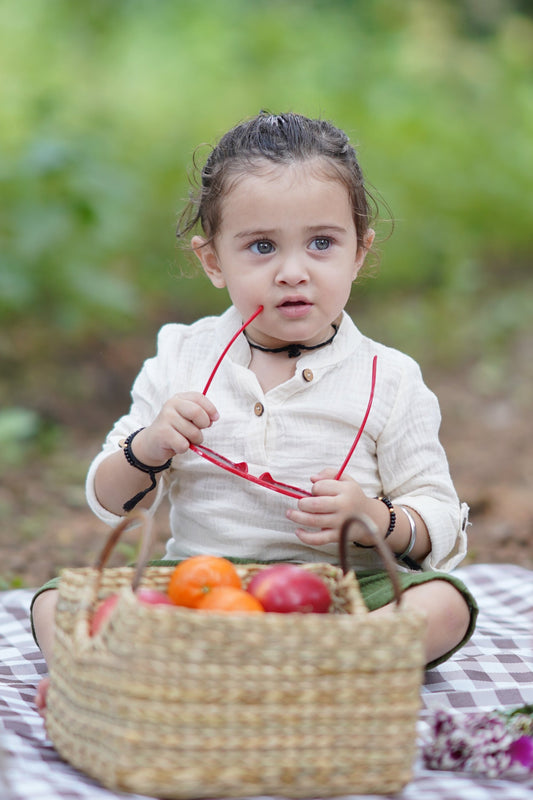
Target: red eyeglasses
(266, 480)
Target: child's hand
(179, 423)
(333, 501)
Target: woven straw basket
(176, 703)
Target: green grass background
(103, 104)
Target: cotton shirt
(292, 431)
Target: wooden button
(259, 409)
(307, 375)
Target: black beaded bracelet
(392, 512)
(392, 522)
(151, 471)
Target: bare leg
(43, 621)
(448, 615)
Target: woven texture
(178, 703)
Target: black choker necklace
(293, 350)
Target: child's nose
(292, 271)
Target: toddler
(270, 425)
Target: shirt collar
(347, 340)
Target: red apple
(149, 596)
(101, 614)
(286, 588)
(153, 597)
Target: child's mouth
(295, 308)
(296, 301)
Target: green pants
(376, 590)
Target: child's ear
(209, 260)
(362, 250)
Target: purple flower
(521, 752)
(442, 722)
(493, 743)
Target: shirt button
(259, 409)
(307, 375)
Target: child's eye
(262, 248)
(321, 243)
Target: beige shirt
(292, 431)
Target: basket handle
(381, 546)
(139, 515)
(145, 519)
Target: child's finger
(311, 519)
(317, 538)
(190, 403)
(325, 474)
(209, 406)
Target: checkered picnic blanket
(494, 670)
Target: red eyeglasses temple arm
(361, 429)
(254, 315)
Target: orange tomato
(228, 598)
(197, 576)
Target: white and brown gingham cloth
(495, 670)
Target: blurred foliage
(24, 433)
(18, 427)
(11, 582)
(103, 104)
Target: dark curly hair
(280, 139)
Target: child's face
(287, 241)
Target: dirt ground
(45, 525)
